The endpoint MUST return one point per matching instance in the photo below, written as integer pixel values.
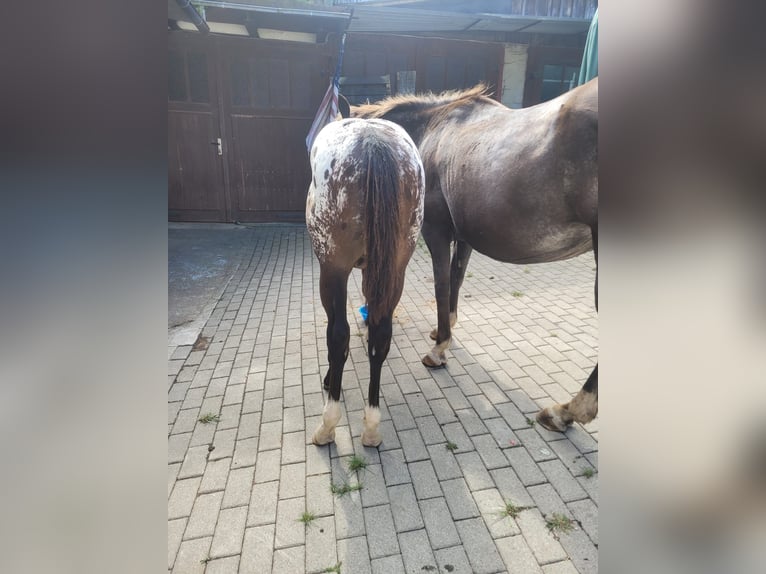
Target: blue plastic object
(363, 312)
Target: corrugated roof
(412, 20)
(374, 19)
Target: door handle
(217, 142)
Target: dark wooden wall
(260, 96)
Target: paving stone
(424, 480)
(215, 476)
(317, 459)
(249, 425)
(294, 419)
(537, 448)
(493, 392)
(490, 454)
(177, 445)
(238, 487)
(482, 406)
(562, 480)
(388, 565)
(443, 412)
(175, 534)
(526, 468)
(228, 565)
(455, 433)
(587, 513)
(319, 498)
(252, 402)
(293, 447)
(544, 546)
(401, 416)
(513, 416)
(439, 524)
(565, 567)
(263, 504)
(349, 519)
(478, 544)
(204, 515)
(203, 434)
(194, 462)
(185, 421)
(413, 446)
(343, 445)
(444, 462)
(353, 554)
(517, 556)
(292, 481)
(581, 550)
(548, 501)
(191, 556)
(404, 507)
(229, 417)
(453, 559)
(459, 499)
(245, 453)
(182, 497)
(374, 491)
(430, 430)
(271, 435)
(416, 551)
(395, 470)
(474, 471)
(456, 399)
(229, 532)
(320, 544)
(289, 530)
(390, 438)
(381, 534)
(267, 466)
(492, 508)
(223, 441)
(289, 560)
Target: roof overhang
(384, 19)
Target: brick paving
(238, 484)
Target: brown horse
(520, 186)
(364, 209)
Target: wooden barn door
(271, 91)
(196, 187)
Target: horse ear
(344, 108)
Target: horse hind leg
(439, 246)
(457, 274)
(582, 409)
(332, 287)
(377, 350)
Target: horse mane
(402, 102)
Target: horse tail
(383, 194)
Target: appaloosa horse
(520, 186)
(364, 209)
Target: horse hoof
(548, 419)
(434, 363)
(372, 439)
(322, 438)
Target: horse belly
(522, 246)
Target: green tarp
(589, 67)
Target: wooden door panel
(272, 170)
(195, 179)
(271, 91)
(196, 188)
